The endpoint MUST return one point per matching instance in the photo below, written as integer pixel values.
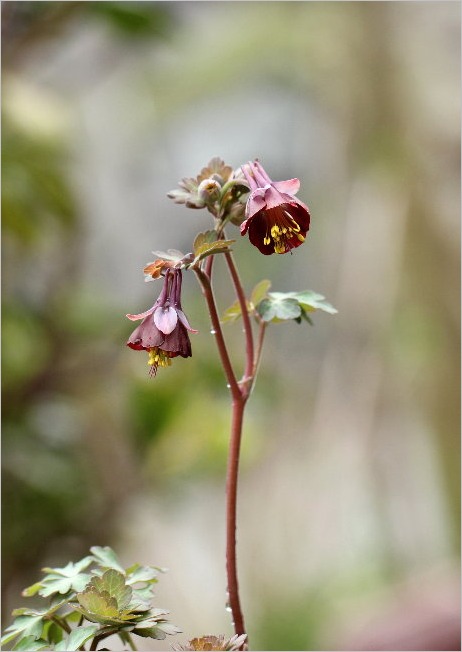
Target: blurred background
(349, 499)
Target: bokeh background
(349, 503)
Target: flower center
(283, 231)
(158, 358)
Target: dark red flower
(163, 333)
(276, 220)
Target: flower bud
(209, 191)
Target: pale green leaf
(260, 291)
(201, 239)
(24, 625)
(232, 313)
(312, 301)
(29, 591)
(105, 556)
(114, 583)
(278, 309)
(31, 644)
(100, 605)
(141, 574)
(77, 638)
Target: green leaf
(114, 583)
(63, 580)
(260, 291)
(71, 569)
(105, 556)
(207, 244)
(98, 606)
(313, 301)
(169, 629)
(232, 313)
(201, 239)
(272, 309)
(31, 644)
(282, 306)
(139, 573)
(54, 633)
(31, 590)
(23, 626)
(77, 638)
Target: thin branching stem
(207, 291)
(245, 319)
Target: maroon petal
(177, 342)
(146, 336)
(257, 228)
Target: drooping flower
(276, 220)
(163, 333)
(212, 643)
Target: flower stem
(245, 319)
(231, 504)
(215, 319)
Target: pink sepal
(142, 315)
(291, 186)
(165, 319)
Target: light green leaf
(139, 573)
(71, 569)
(63, 580)
(54, 633)
(232, 313)
(77, 638)
(100, 605)
(210, 248)
(312, 301)
(31, 590)
(260, 291)
(105, 556)
(31, 644)
(201, 239)
(114, 583)
(274, 309)
(169, 629)
(24, 625)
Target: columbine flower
(163, 333)
(212, 643)
(276, 221)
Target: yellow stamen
(159, 358)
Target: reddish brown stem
(246, 321)
(215, 319)
(231, 515)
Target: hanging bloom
(276, 220)
(163, 333)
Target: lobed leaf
(113, 583)
(23, 626)
(275, 310)
(102, 606)
(105, 556)
(232, 313)
(31, 644)
(260, 291)
(76, 638)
